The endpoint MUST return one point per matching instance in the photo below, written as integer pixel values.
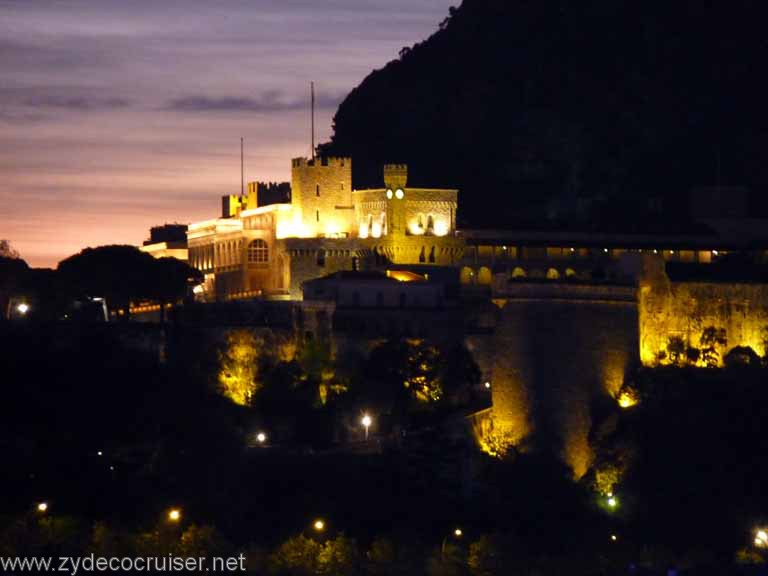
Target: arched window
(258, 252)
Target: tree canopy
(122, 273)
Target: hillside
(569, 110)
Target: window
(317, 189)
(258, 252)
(317, 215)
(321, 257)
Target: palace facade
(270, 250)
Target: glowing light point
(389, 193)
(759, 543)
(22, 308)
(488, 385)
(42, 507)
(399, 193)
(440, 228)
(612, 502)
(627, 400)
(366, 421)
(174, 514)
(614, 537)
(458, 533)
(261, 437)
(100, 453)
(319, 525)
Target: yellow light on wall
(363, 231)
(627, 400)
(376, 230)
(440, 228)
(415, 228)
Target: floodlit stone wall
(672, 310)
(549, 358)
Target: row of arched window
(483, 275)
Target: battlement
(395, 175)
(322, 162)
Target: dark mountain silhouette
(595, 113)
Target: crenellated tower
(321, 191)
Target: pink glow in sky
(116, 116)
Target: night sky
(116, 116)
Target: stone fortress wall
(684, 309)
(549, 354)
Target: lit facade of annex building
(270, 250)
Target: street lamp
(457, 533)
(487, 385)
(761, 538)
(174, 515)
(319, 525)
(261, 437)
(42, 507)
(366, 421)
(23, 308)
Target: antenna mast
(312, 91)
(242, 169)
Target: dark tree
(124, 273)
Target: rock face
(569, 108)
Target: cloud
(77, 102)
(271, 101)
(10, 117)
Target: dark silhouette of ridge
(597, 114)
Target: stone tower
(395, 179)
(321, 193)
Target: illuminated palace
(269, 250)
